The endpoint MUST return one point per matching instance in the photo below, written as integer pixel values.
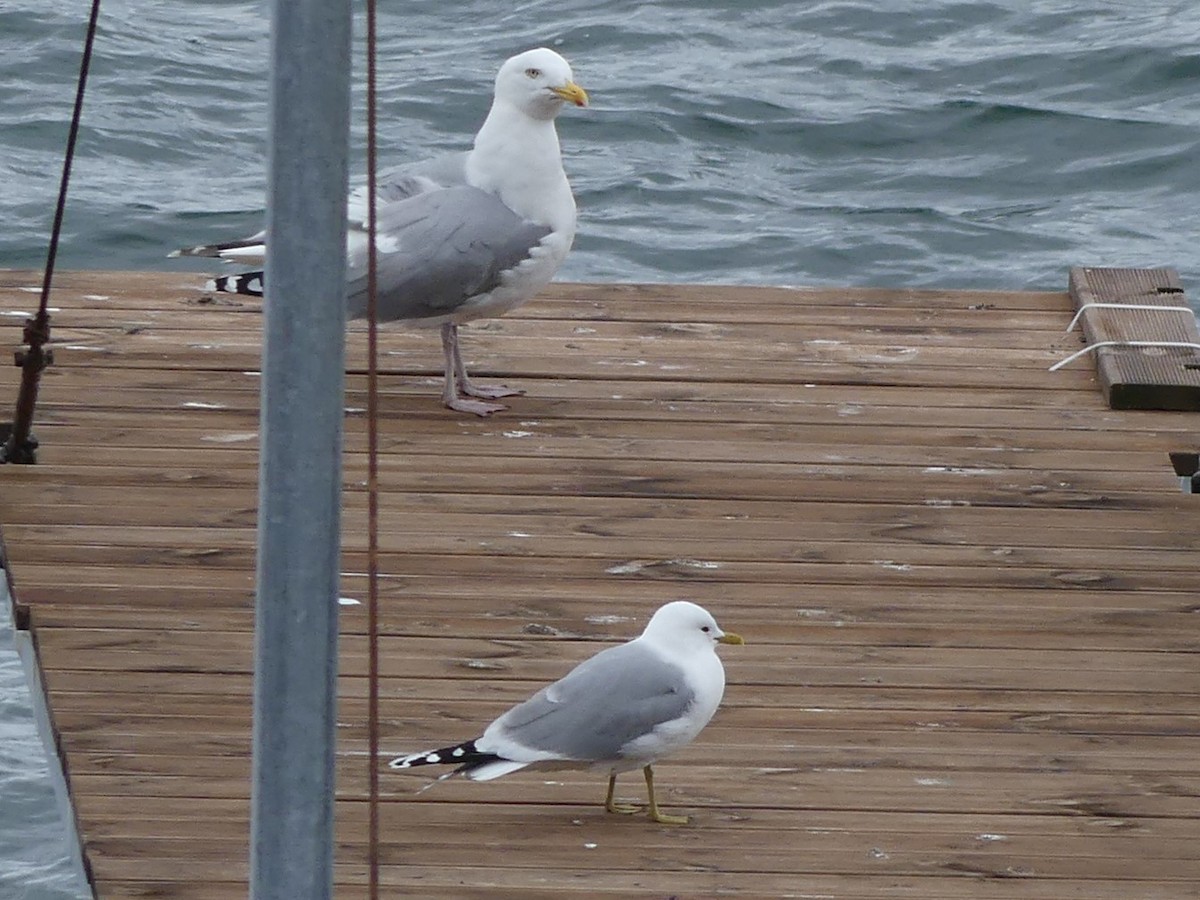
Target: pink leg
(458, 388)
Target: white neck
(517, 157)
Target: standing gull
(465, 236)
(623, 709)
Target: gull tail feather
(472, 762)
(252, 244)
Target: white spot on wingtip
(348, 601)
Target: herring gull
(460, 237)
(624, 708)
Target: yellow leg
(623, 808)
(655, 814)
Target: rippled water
(887, 143)
(882, 142)
(36, 860)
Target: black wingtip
(248, 283)
(463, 755)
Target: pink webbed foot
(488, 391)
(477, 407)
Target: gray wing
(401, 183)
(438, 249)
(393, 186)
(600, 706)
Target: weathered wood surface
(1149, 305)
(969, 589)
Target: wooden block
(1138, 377)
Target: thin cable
(19, 448)
(372, 480)
(1185, 345)
(1142, 306)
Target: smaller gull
(460, 237)
(623, 709)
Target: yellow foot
(655, 815)
(663, 819)
(624, 809)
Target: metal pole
(295, 672)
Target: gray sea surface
(38, 849)
(905, 143)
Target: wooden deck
(969, 592)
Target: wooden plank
(211, 881)
(879, 327)
(954, 479)
(880, 408)
(714, 791)
(1168, 716)
(125, 289)
(186, 429)
(560, 394)
(141, 743)
(768, 522)
(164, 818)
(231, 547)
(435, 602)
(484, 660)
(1140, 377)
(909, 856)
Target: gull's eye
(533, 73)
(706, 629)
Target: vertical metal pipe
(295, 671)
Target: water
(37, 859)
(863, 142)
(918, 143)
